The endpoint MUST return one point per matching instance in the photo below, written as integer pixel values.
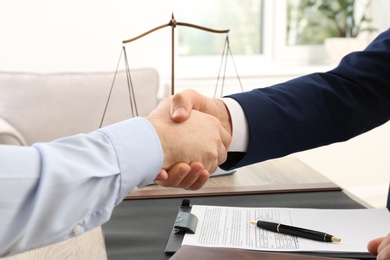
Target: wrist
(223, 115)
(160, 129)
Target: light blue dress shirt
(50, 192)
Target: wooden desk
(140, 228)
(279, 175)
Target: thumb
(374, 244)
(180, 114)
(182, 105)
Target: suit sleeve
(320, 108)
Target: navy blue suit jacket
(318, 109)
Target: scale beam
(173, 23)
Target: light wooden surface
(90, 245)
(287, 174)
(287, 170)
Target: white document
(230, 227)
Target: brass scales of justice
(173, 23)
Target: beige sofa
(43, 107)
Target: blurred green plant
(312, 21)
(343, 15)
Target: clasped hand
(193, 146)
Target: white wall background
(80, 35)
(86, 35)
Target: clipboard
(148, 239)
(185, 222)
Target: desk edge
(223, 191)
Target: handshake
(195, 133)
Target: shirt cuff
(240, 129)
(139, 152)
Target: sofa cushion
(43, 107)
(9, 135)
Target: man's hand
(200, 138)
(380, 247)
(191, 176)
(182, 175)
(187, 176)
(185, 102)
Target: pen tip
(253, 222)
(336, 239)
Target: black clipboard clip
(185, 222)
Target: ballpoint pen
(295, 231)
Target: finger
(182, 104)
(226, 140)
(384, 253)
(193, 176)
(385, 243)
(222, 155)
(175, 175)
(374, 244)
(162, 175)
(222, 149)
(201, 181)
(212, 167)
(223, 115)
(225, 137)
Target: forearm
(54, 191)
